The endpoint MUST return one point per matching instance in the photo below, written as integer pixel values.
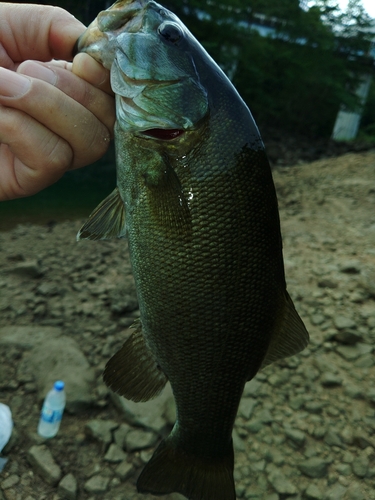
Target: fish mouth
(163, 134)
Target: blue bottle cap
(59, 385)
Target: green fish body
(196, 200)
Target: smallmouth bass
(196, 200)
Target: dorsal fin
(106, 221)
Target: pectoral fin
(106, 221)
(133, 371)
(169, 207)
(290, 335)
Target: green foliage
(367, 130)
(298, 78)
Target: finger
(65, 117)
(93, 72)
(32, 157)
(38, 32)
(95, 100)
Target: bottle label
(51, 416)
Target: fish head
(151, 57)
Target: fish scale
(196, 200)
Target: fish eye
(170, 32)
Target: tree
(297, 78)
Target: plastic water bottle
(6, 425)
(52, 411)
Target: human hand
(54, 116)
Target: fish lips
(99, 39)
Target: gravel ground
(306, 425)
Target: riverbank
(306, 425)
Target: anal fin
(171, 469)
(133, 372)
(290, 335)
(106, 221)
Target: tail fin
(198, 478)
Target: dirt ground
(306, 429)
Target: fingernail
(37, 70)
(13, 84)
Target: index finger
(40, 32)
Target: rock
(62, 359)
(353, 391)
(281, 483)
(350, 353)
(344, 469)
(67, 488)
(276, 456)
(10, 481)
(273, 496)
(314, 406)
(355, 492)
(253, 492)
(97, 484)
(254, 426)
(327, 283)
(265, 416)
(122, 302)
(343, 323)
(296, 402)
(246, 407)
(139, 440)
(124, 470)
(366, 361)
(238, 443)
(114, 454)
(120, 434)
(361, 440)
(371, 395)
(296, 437)
(150, 414)
(336, 492)
(350, 267)
(313, 467)
(47, 288)
(28, 269)
(317, 319)
(360, 466)
(364, 348)
(27, 337)
(347, 435)
(329, 379)
(348, 457)
(279, 378)
(333, 439)
(252, 388)
(101, 430)
(347, 337)
(41, 459)
(313, 493)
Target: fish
(196, 201)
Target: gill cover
(153, 73)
